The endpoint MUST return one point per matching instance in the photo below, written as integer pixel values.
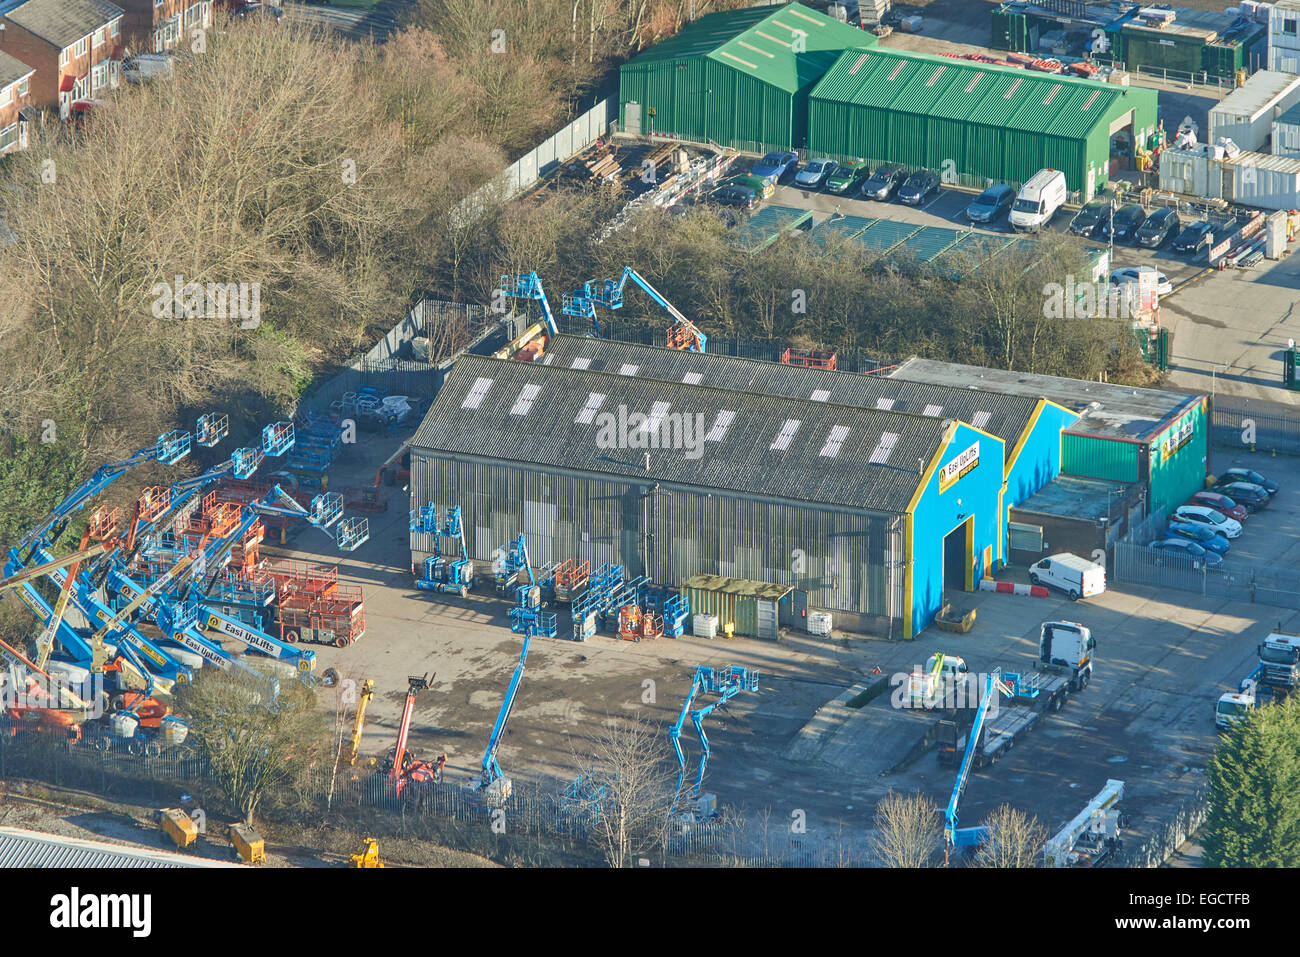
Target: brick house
(75, 47)
(15, 102)
(153, 26)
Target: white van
(1038, 201)
(1077, 577)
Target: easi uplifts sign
(1176, 439)
(958, 467)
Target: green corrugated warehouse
(995, 122)
(740, 78)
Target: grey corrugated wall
(846, 560)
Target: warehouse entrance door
(959, 557)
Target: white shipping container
(704, 626)
(1188, 171)
(1265, 182)
(1246, 114)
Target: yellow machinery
(248, 844)
(367, 692)
(176, 824)
(369, 856)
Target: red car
(1220, 503)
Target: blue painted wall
(936, 513)
(1039, 459)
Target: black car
(1125, 223)
(884, 182)
(1254, 497)
(1159, 226)
(1248, 475)
(741, 196)
(1085, 220)
(1193, 238)
(919, 187)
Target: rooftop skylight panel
(476, 393)
(594, 401)
(629, 368)
(880, 454)
(580, 363)
(782, 441)
(720, 425)
(692, 378)
(820, 395)
(527, 396)
(833, 441)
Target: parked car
(1211, 518)
(741, 196)
(763, 186)
(1202, 535)
(1219, 502)
(255, 9)
(1133, 274)
(990, 205)
(919, 187)
(1248, 475)
(1193, 238)
(1085, 220)
(884, 182)
(848, 179)
(1124, 224)
(1254, 497)
(1188, 549)
(1157, 229)
(815, 172)
(145, 67)
(776, 165)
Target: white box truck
(1077, 577)
(1038, 201)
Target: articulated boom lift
(529, 286)
(682, 334)
(726, 683)
(402, 767)
(491, 779)
(442, 573)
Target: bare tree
(1014, 839)
(629, 788)
(907, 831)
(254, 744)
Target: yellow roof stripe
(752, 66)
(768, 36)
(749, 46)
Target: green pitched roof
(950, 88)
(761, 41)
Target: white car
(1212, 518)
(148, 66)
(1131, 274)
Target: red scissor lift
(811, 358)
(312, 606)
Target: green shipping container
(1010, 31)
(1097, 457)
(1171, 52)
(1179, 460)
(733, 600)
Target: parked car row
(1130, 223)
(1204, 527)
(886, 182)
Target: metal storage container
(751, 606)
(248, 844)
(1246, 115)
(1266, 182)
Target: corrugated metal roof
(1005, 416)
(1120, 409)
(1257, 94)
(759, 41)
(755, 444)
(20, 847)
(947, 88)
(885, 234)
(1291, 117)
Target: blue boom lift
(971, 836)
(452, 576)
(726, 683)
(529, 286)
(682, 334)
(492, 781)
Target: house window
(8, 137)
(101, 35)
(170, 30)
(99, 76)
(6, 96)
(1288, 27)
(83, 46)
(63, 58)
(116, 30)
(23, 86)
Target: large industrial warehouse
(996, 122)
(737, 77)
(871, 512)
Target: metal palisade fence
(1235, 580)
(1254, 425)
(534, 826)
